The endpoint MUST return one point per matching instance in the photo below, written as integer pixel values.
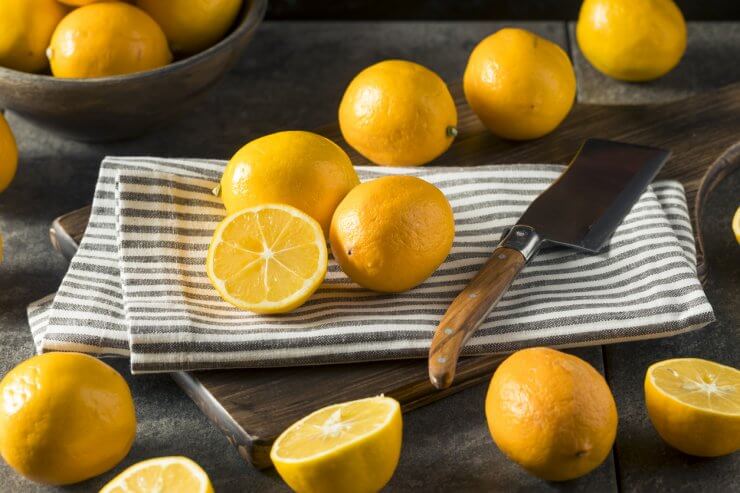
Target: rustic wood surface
(253, 406)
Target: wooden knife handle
(469, 310)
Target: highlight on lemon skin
(694, 405)
(267, 259)
(352, 447)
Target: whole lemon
(297, 168)
(552, 413)
(8, 154)
(64, 418)
(391, 234)
(520, 85)
(191, 26)
(25, 29)
(104, 39)
(632, 40)
(398, 113)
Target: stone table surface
(446, 444)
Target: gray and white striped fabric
(137, 285)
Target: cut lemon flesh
(353, 446)
(267, 259)
(699, 383)
(163, 475)
(736, 225)
(694, 405)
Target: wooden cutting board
(252, 407)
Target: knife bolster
(522, 238)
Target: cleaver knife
(580, 210)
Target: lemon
(735, 224)
(25, 29)
(105, 39)
(64, 418)
(519, 84)
(163, 475)
(694, 405)
(398, 113)
(552, 413)
(267, 259)
(349, 447)
(391, 234)
(191, 26)
(631, 40)
(302, 169)
(8, 154)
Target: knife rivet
(501, 256)
(521, 233)
(448, 331)
(473, 295)
(441, 359)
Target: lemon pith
(352, 446)
(267, 259)
(694, 405)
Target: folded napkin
(137, 286)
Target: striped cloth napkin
(137, 286)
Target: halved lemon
(736, 225)
(163, 475)
(267, 259)
(348, 447)
(694, 405)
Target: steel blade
(590, 199)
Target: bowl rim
(254, 16)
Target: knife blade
(580, 210)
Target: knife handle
(475, 302)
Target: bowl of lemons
(95, 70)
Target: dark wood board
(253, 406)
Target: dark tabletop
(292, 77)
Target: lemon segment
(694, 405)
(267, 259)
(163, 475)
(353, 446)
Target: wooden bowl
(119, 107)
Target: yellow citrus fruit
(297, 168)
(25, 29)
(163, 475)
(398, 113)
(8, 154)
(64, 418)
(349, 447)
(267, 258)
(552, 413)
(390, 234)
(632, 40)
(694, 405)
(105, 39)
(520, 85)
(191, 26)
(735, 224)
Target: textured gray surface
(446, 444)
(710, 61)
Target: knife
(580, 210)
